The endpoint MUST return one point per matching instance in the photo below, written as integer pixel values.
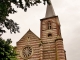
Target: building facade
(50, 44)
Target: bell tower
(50, 35)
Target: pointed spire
(50, 11)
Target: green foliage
(6, 50)
(6, 8)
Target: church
(50, 44)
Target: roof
(28, 32)
(49, 11)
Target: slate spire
(50, 11)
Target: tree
(6, 8)
(6, 50)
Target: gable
(29, 39)
(28, 36)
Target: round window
(27, 51)
(49, 35)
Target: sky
(68, 12)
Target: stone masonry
(50, 44)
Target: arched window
(49, 25)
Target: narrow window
(28, 38)
(49, 25)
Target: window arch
(49, 25)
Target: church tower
(50, 44)
(50, 35)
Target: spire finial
(50, 11)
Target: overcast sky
(68, 12)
